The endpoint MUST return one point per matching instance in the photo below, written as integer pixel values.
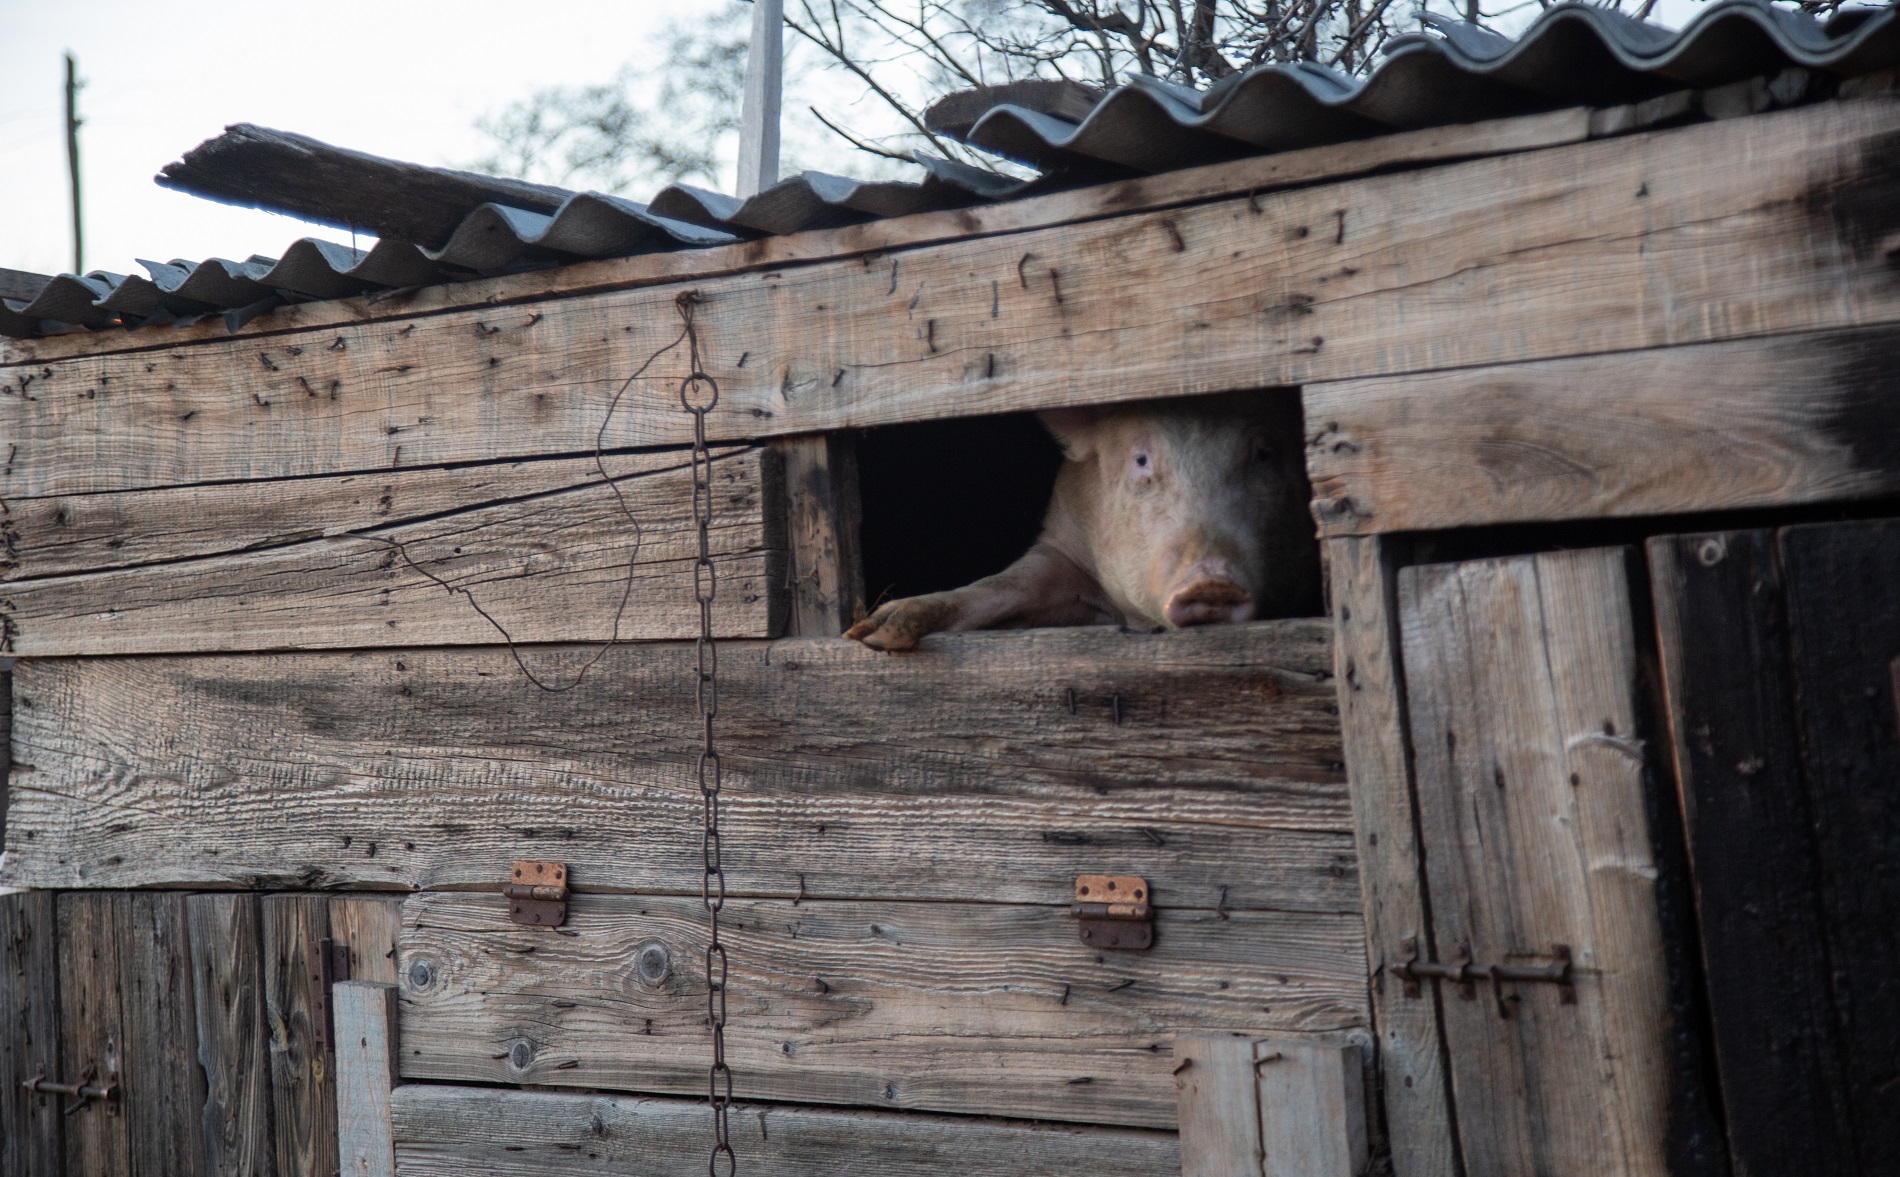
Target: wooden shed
(1567, 842)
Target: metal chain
(699, 394)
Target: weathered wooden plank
(233, 1033)
(29, 1033)
(1312, 1109)
(303, 1084)
(968, 1007)
(1521, 676)
(1721, 230)
(1217, 1106)
(365, 1074)
(91, 1037)
(1262, 174)
(1844, 610)
(1767, 422)
(456, 1131)
(553, 567)
(1372, 713)
(824, 515)
(1725, 659)
(164, 1086)
(853, 773)
(368, 928)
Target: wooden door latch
(1410, 970)
(537, 894)
(83, 1092)
(1114, 911)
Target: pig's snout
(1209, 593)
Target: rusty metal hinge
(325, 963)
(84, 1091)
(1114, 911)
(1409, 969)
(537, 895)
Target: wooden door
(1780, 652)
(1534, 811)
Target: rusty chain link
(699, 394)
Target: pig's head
(1189, 512)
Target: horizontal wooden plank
(851, 773)
(967, 1007)
(1260, 174)
(550, 567)
(1729, 229)
(444, 1131)
(1767, 422)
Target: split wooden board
(549, 551)
(1207, 760)
(978, 1007)
(1722, 230)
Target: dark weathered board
(127, 1008)
(29, 1034)
(989, 1008)
(1767, 422)
(1522, 682)
(543, 565)
(1844, 606)
(233, 1033)
(1725, 657)
(303, 1088)
(851, 774)
(824, 515)
(458, 1131)
(1645, 241)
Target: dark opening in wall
(947, 502)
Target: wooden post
(365, 1075)
(764, 73)
(1277, 1109)
(824, 517)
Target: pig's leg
(1045, 587)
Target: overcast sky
(402, 78)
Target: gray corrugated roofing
(464, 225)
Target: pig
(1165, 514)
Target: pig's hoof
(899, 624)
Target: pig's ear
(1074, 430)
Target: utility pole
(764, 79)
(72, 159)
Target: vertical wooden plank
(1723, 636)
(303, 1088)
(1416, 1100)
(29, 1033)
(1844, 610)
(164, 1086)
(823, 517)
(1522, 681)
(90, 1034)
(367, 926)
(1219, 1107)
(365, 1074)
(233, 1033)
(1312, 1109)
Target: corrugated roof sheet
(439, 225)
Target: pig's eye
(1263, 453)
(1141, 460)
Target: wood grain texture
(1217, 1112)
(984, 1008)
(553, 567)
(823, 520)
(1723, 630)
(1262, 174)
(233, 1033)
(368, 927)
(1765, 422)
(1521, 677)
(459, 1131)
(853, 773)
(1312, 1109)
(1720, 230)
(303, 1081)
(365, 1075)
(91, 1034)
(1844, 608)
(1368, 675)
(29, 1033)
